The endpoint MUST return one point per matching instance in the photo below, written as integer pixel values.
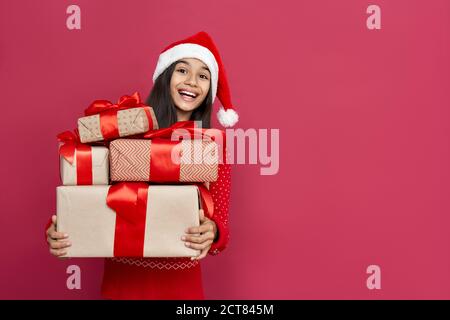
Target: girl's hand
(57, 241)
(201, 237)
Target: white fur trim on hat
(189, 50)
(227, 118)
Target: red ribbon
(162, 168)
(207, 200)
(71, 143)
(108, 113)
(162, 146)
(129, 201)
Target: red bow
(71, 143)
(182, 128)
(129, 201)
(125, 102)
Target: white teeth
(193, 95)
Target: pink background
(364, 125)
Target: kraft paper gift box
(107, 121)
(151, 160)
(96, 168)
(82, 164)
(95, 230)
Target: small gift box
(81, 164)
(163, 160)
(130, 219)
(106, 121)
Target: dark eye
(203, 76)
(181, 70)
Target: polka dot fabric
(220, 192)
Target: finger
(192, 230)
(60, 244)
(58, 252)
(54, 219)
(206, 227)
(200, 238)
(202, 215)
(51, 229)
(194, 239)
(50, 240)
(202, 254)
(58, 235)
(198, 246)
(200, 229)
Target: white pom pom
(227, 118)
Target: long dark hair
(165, 110)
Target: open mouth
(187, 95)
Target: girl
(188, 76)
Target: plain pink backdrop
(364, 126)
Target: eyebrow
(184, 61)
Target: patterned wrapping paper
(131, 160)
(129, 122)
(83, 214)
(99, 167)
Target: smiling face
(189, 86)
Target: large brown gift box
(151, 160)
(83, 214)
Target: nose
(190, 80)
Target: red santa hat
(202, 47)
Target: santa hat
(202, 47)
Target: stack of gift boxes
(129, 189)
